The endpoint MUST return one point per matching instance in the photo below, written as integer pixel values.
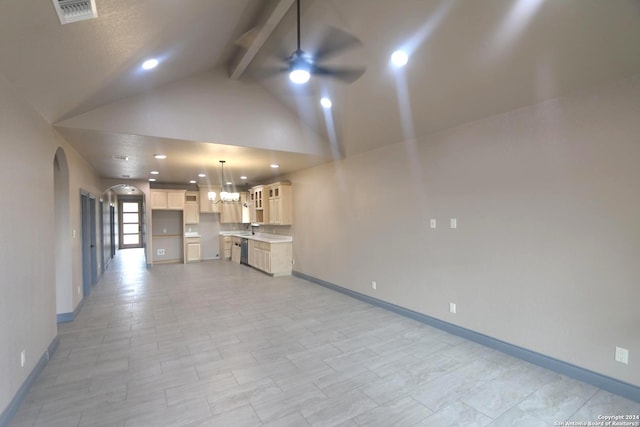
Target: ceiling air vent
(75, 10)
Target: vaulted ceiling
(468, 60)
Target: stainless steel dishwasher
(244, 251)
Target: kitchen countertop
(261, 237)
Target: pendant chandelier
(226, 193)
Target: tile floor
(218, 344)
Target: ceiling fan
(302, 65)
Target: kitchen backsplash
(270, 229)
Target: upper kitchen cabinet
(168, 199)
(280, 203)
(259, 204)
(232, 212)
(209, 195)
(191, 208)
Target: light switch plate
(432, 223)
(453, 308)
(454, 223)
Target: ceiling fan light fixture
(299, 75)
(399, 58)
(150, 64)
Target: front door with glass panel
(131, 227)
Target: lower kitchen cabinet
(192, 250)
(225, 247)
(272, 258)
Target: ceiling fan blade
(346, 75)
(333, 42)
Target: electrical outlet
(622, 355)
(160, 252)
(432, 223)
(23, 358)
(453, 308)
(453, 223)
(374, 285)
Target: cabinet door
(231, 212)
(275, 216)
(191, 213)
(175, 200)
(193, 252)
(267, 262)
(206, 205)
(159, 199)
(225, 247)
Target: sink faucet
(253, 227)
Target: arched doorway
(63, 244)
(124, 220)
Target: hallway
(219, 344)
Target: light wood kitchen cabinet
(225, 247)
(159, 199)
(272, 258)
(252, 205)
(280, 203)
(191, 208)
(260, 202)
(231, 212)
(261, 258)
(192, 249)
(168, 199)
(206, 205)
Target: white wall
(546, 251)
(201, 108)
(81, 176)
(27, 232)
(27, 279)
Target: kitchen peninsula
(270, 253)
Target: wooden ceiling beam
(263, 29)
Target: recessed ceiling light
(274, 166)
(399, 58)
(326, 102)
(229, 183)
(202, 175)
(154, 172)
(193, 181)
(150, 64)
(152, 179)
(243, 177)
(126, 176)
(160, 156)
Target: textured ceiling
(469, 60)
